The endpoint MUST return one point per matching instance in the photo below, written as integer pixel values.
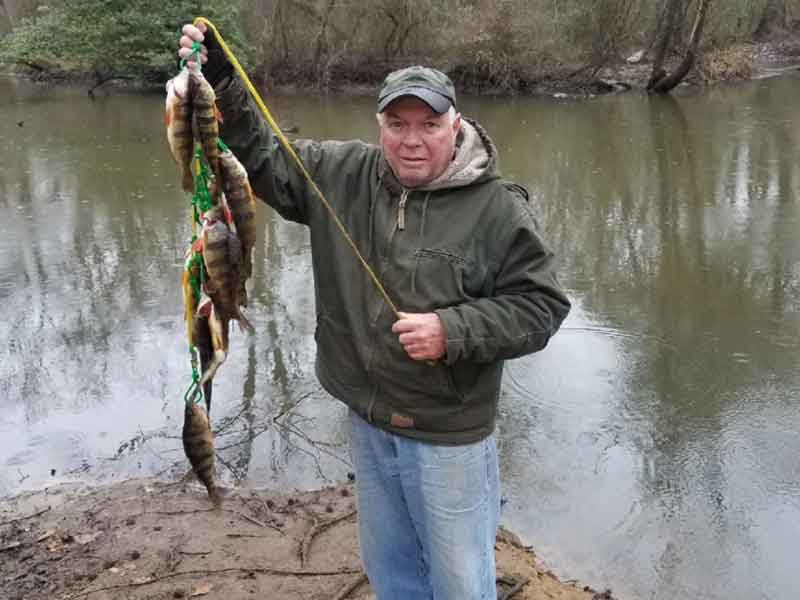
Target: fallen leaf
(201, 590)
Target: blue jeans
(427, 515)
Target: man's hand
(215, 64)
(422, 335)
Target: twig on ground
(174, 513)
(25, 518)
(351, 587)
(256, 521)
(260, 570)
(316, 529)
(516, 586)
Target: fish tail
(218, 358)
(215, 496)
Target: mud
(151, 539)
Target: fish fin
(207, 396)
(188, 181)
(219, 358)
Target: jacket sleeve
(525, 310)
(273, 175)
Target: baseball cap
(430, 85)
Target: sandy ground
(145, 538)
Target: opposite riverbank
(146, 538)
(744, 61)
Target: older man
(456, 248)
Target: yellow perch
(217, 330)
(221, 253)
(178, 119)
(242, 205)
(206, 117)
(198, 444)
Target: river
(652, 447)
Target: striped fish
(206, 118)
(198, 444)
(178, 120)
(222, 257)
(215, 340)
(242, 205)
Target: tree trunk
(668, 82)
(772, 19)
(670, 23)
(5, 19)
(321, 45)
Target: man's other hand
(215, 64)
(421, 334)
(192, 34)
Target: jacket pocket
(441, 278)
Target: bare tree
(661, 81)
(404, 17)
(773, 18)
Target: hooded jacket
(464, 246)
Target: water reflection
(651, 448)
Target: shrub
(133, 38)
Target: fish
(241, 202)
(215, 346)
(178, 119)
(198, 444)
(222, 257)
(206, 118)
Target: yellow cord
(290, 151)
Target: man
(456, 248)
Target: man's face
(417, 141)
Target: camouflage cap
(429, 85)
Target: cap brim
(435, 100)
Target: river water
(651, 448)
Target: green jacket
(468, 250)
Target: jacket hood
(475, 159)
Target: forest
(500, 45)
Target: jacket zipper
(401, 211)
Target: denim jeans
(427, 515)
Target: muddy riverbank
(146, 538)
(743, 61)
